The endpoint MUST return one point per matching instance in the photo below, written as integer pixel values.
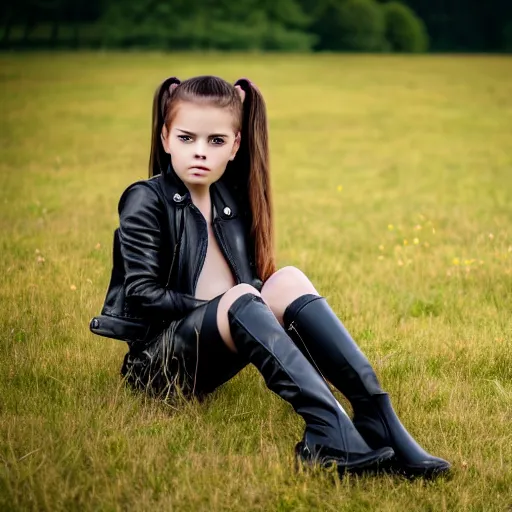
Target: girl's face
(201, 141)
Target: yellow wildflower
(340, 188)
(456, 261)
(391, 227)
(416, 241)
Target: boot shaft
(259, 338)
(320, 335)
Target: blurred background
(284, 25)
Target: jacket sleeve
(140, 224)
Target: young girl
(195, 291)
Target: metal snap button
(95, 323)
(177, 198)
(227, 211)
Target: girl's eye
(184, 138)
(218, 141)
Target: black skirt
(189, 357)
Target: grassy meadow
(392, 179)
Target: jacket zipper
(177, 248)
(293, 328)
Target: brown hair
(249, 172)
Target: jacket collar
(172, 184)
(176, 192)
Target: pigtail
(254, 153)
(158, 158)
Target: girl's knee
(225, 303)
(283, 287)
(237, 291)
(233, 294)
(286, 274)
(287, 278)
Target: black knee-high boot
(321, 336)
(329, 437)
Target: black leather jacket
(159, 251)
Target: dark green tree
(220, 24)
(350, 25)
(452, 25)
(507, 36)
(405, 32)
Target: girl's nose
(200, 150)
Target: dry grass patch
(393, 183)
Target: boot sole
(378, 462)
(414, 472)
(374, 462)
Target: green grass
(393, 192)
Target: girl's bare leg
(283, 287)
(222, 312)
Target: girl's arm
(140, 236)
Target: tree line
(281, 25)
